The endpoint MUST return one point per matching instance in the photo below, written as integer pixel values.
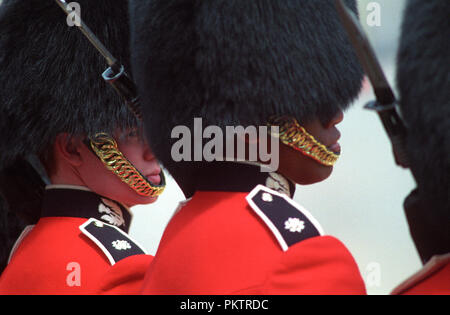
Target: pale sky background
(361, 203)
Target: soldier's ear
(69, 148)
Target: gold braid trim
(105, 147)
(295, 136)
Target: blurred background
(362, 202)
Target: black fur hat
(424, 83)
(11, 225)
(235, 62)
(50, 74)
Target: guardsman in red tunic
(420, 136)
(424, 86)
(245, 96)
(58, 113)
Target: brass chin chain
(295, 136)
(105, 147)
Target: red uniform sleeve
(321, 265)
(126, 277)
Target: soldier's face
(103, 182)
(302, 169)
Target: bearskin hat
(234, 62)
(51, 76)
(11, 225)
(423, 78)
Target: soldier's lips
(155, 179)
(335, 148)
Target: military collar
(240, 177)
(80, 202)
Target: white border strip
(61, 186)
(19, 240)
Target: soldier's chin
(300, 168)
(128, 197)
(312, 176)
(139, 200)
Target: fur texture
(235, 62)
(424, 84)
(50, 75)
(11, 225)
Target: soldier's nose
(337, 119)
(148, 154)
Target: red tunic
(56, 257)
(431, 236)
(218, 243)
(433, 279)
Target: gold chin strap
(105, 147)
(295, 136)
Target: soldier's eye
(133, 133)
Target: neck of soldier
(66, 175)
